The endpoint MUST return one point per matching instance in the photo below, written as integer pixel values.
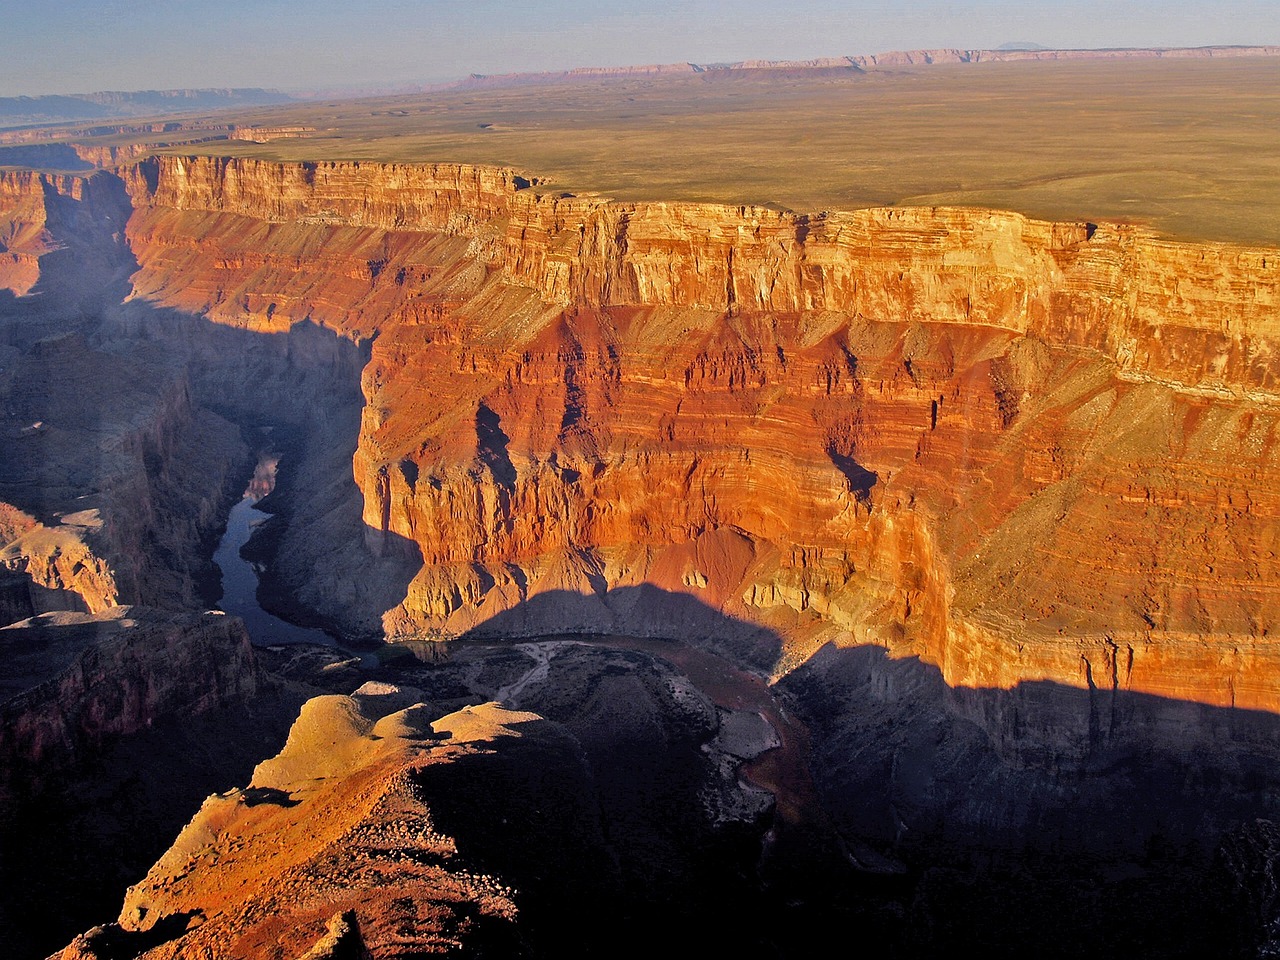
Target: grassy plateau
(1189, 147)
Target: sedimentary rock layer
(1021, 450)
(22, 242)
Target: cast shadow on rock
(1005, 814)
(1042, 761)
(61, 157)
(256, 796)
(642, 611)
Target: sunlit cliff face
(1020, 450)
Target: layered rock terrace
(1020, 450)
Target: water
(240, 577)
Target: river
(240, 576)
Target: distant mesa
(114, 105)
(264, 134)
(21, 112)
(1012, 50)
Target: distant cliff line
(120, 105)
(860, 64)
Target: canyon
(984, 504)
(908, 426)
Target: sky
(81, 46)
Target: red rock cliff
(1019, 449)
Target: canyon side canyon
(908, 570)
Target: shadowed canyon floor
(900, 570)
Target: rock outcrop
(334, 846)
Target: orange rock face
(335, 826)
(23, 239)
(1020, 450)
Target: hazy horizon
(82, 46)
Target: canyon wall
(1021, 450)
(119, 479)
(23, 239)
(991, 499)
(1011, 447)
(346, 193)
(1132, 297)
(61, 241)
(113, 727)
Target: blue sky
(72, 46)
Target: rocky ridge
(334, 824)
(433, 819)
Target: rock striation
(910, 427)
